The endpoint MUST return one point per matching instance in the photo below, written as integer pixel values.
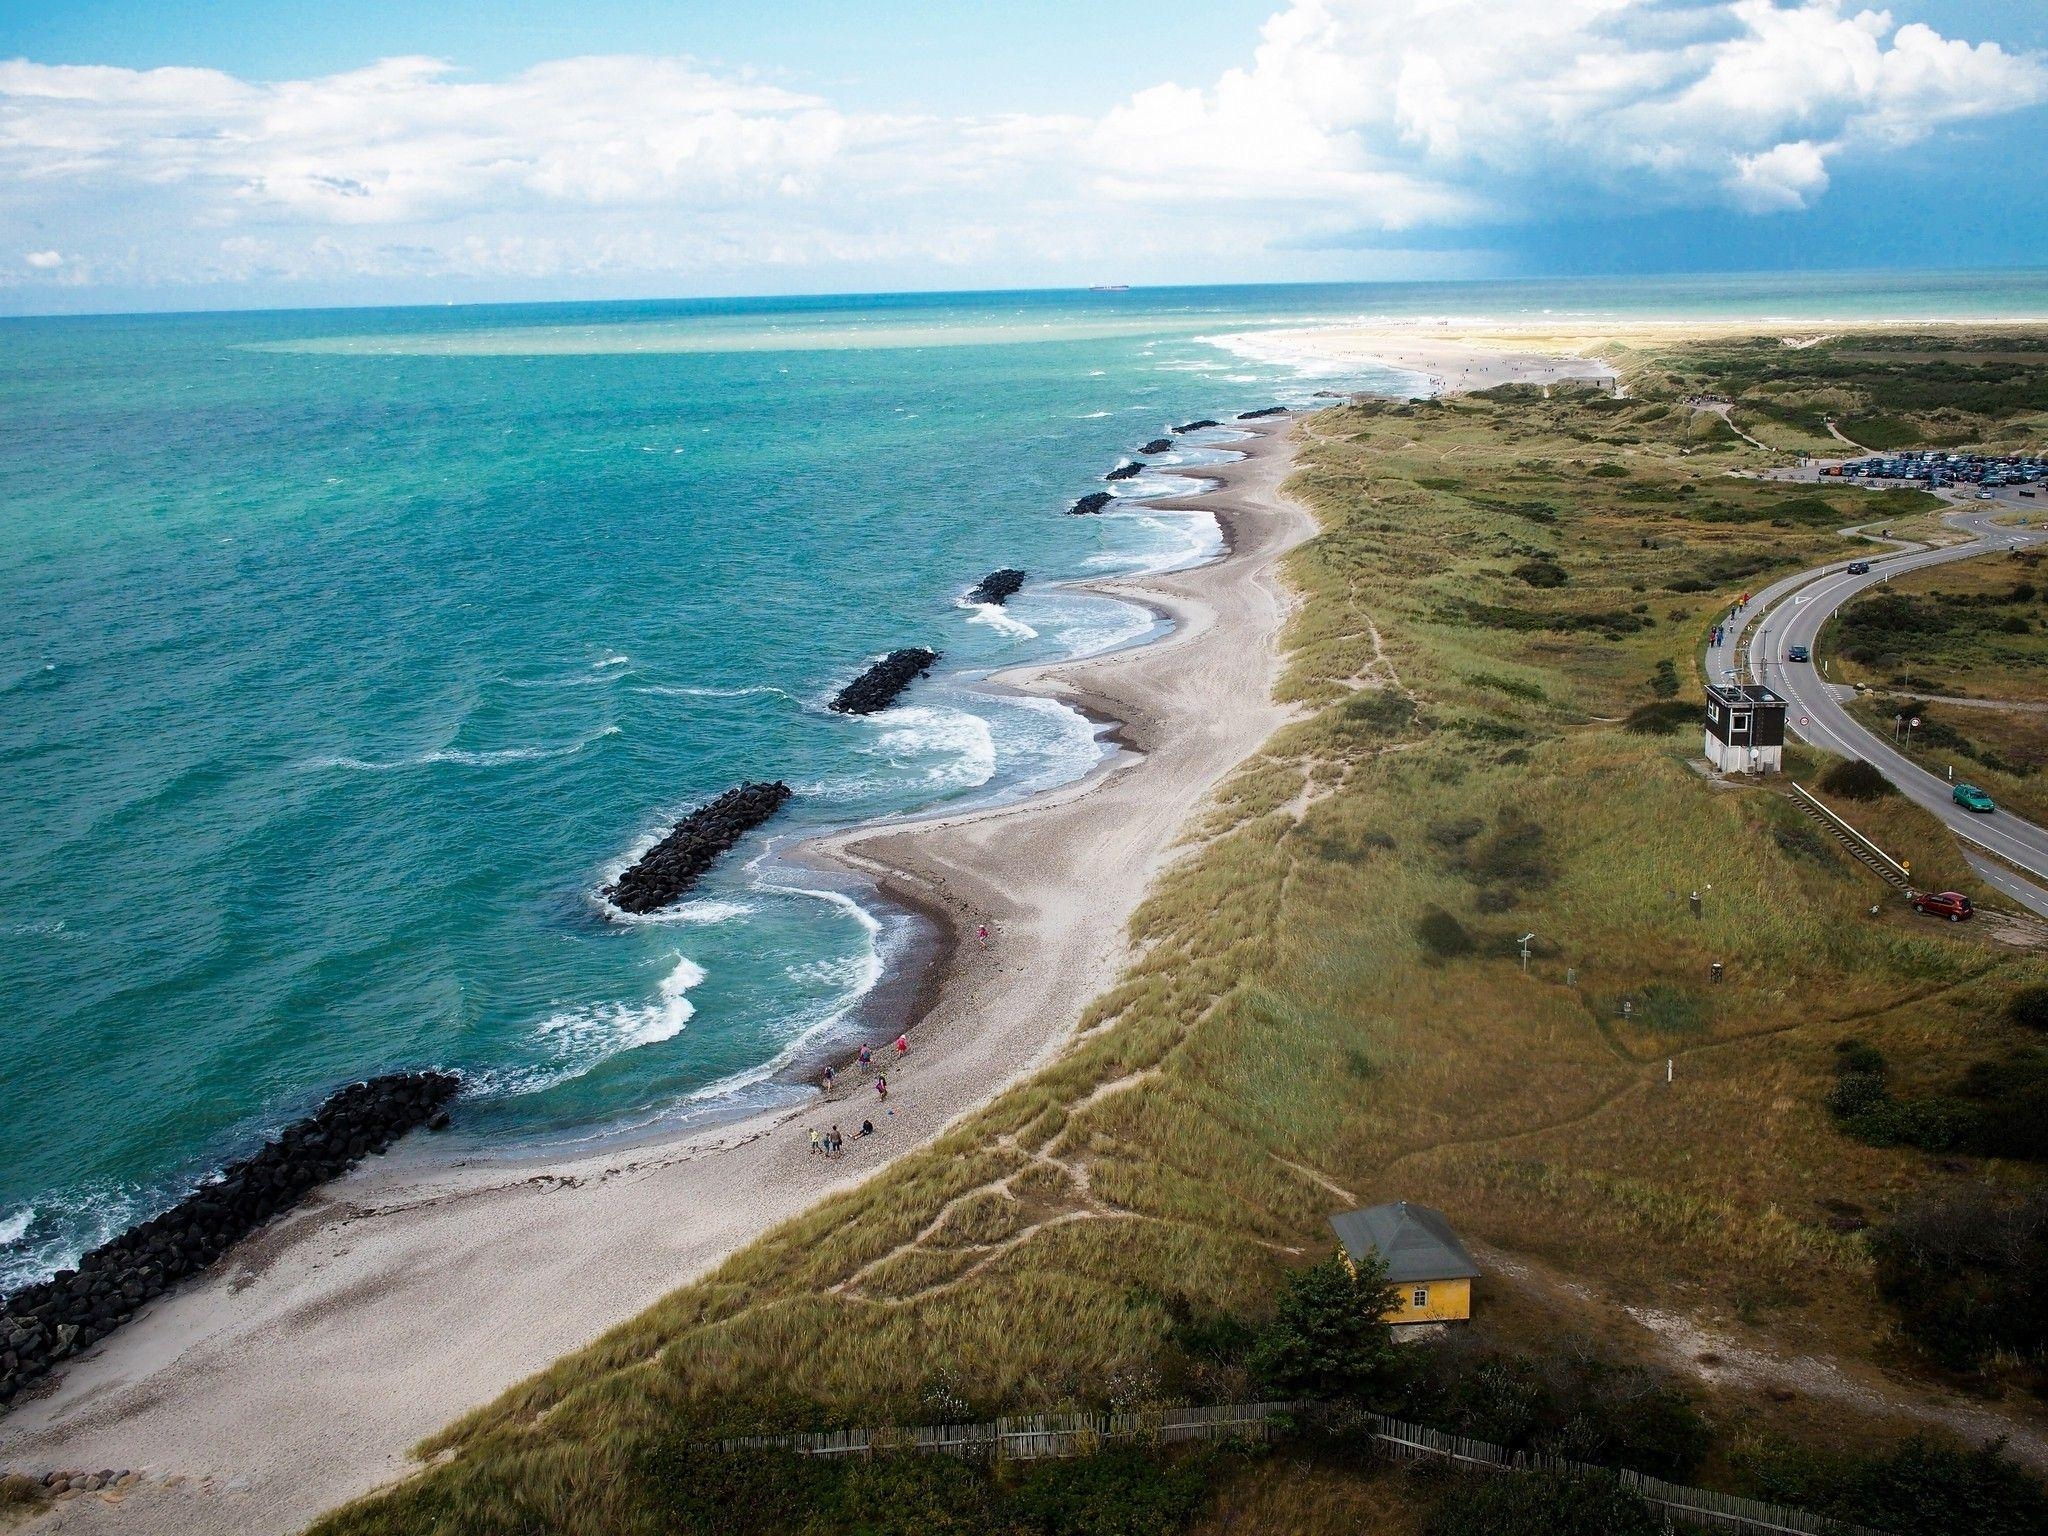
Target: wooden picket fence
(1029, 1437)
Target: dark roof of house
(1742, 693)
(1415, 1241)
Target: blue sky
(177, 155)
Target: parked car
(1799, 653)
(1953, 905)
(1859, 567)
(1971, 798)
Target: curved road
(1791, 612)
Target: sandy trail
(299, 1373)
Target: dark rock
(1264, 410)
(1196, 426)
(56, 1318)
(1158, 445)
(1093, 502)
(676, 863)
(996, 586)
(1124, 471)
(876, 688)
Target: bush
(1661, 719)
(1664, 681)
(1920, 1487)
(1577, 1402)
(1540, 573)
(1854, 779)
(1541, 1504)
(2028, 1008)
(1121, 1492)
(1442, 935)
(1968, 1276)
(1328, 1337)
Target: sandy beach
(1456, 356)
(297, 1374)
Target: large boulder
(997, 586)
(1127, 470)
(876, 688)
(45, 1323)
(668, 869)
(1158, 445)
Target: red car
(1953, 905)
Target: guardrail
(1035, 1436)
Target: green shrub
(2028, 1008)
(1442, 935)
(1968, 1276)
(1119, 1492)
(1661, 719)
(1664, 681)
(1854, 779)
(1575, 1401)
(1923, 1488)
(1541, 1504)
(1540, 573)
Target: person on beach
(881, 1086)
(902, 1046)
(817, 1143)
(830, 1077)
(867, 1128)
(838, 1141)
(867, 1058)
(981, 933)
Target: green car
(1971, 798)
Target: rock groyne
(1264, 410)
(1158, 445)
(674, 864)
(877, 687)
(1090, 504)
(43, 1324)
(1196, 426)
(1127, 470)
(997, 586)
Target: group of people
(831, 1143)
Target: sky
(173, 155)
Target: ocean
(351, 653)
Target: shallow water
(351, 652)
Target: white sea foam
(579, 1039)
(700, 913)
(613, 660)
(682, 691)
(947, 748)
(995, 618)
(461, 758)
(14, 1228)
(1092, 415)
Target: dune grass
(1287, 1043)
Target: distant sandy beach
(298, 1374)
(1457, 356)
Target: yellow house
(1425, 1261)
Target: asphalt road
(1791, 612)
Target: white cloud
(1352, 117)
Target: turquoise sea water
(349, 653)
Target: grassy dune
(1329, 1008)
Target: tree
(1329, 1336)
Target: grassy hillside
(1494, 663)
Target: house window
(1422, 1295)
